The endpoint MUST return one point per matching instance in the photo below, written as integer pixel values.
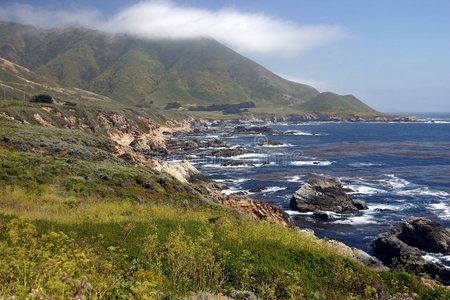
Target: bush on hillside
(173, 105)
(41, 98)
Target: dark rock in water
(179, 146)
(239, 194)
(230, 152)
(424, 234)
(324, 195)
(237, 163)
(215, 143)
(269, 143)
(407, 242)
(389, 248)
(253, 130)
(385, 210)
(349, 190)
(194, 144)
(361, 205)
(257, 189)
(322, 216)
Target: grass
(86, 226)
(176, 250)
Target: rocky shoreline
(319, 196)
(157, 145)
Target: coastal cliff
(88, 198)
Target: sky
(393, 55)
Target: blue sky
(394, 55)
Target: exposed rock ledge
(324, 195)
(407, 242)
(255, 209)
(184, 171)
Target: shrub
(173, 105)
(37, 265)
(42, 99)
(189, 264)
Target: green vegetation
(79, 221)
(131, 71)
(173, 105)
(332, 103)
(226, 109)
(41, 98)
(76, 221)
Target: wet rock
(257, 189)
(321, 216)
(361, 205)
(216, 143)
(237, 163)
(388, 248)
(194, 144)
(229, 152)
(324, 195)
(269, 143)
(407, 242)
(253, 130)
(424, 234)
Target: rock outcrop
(253, 130)
(237, 163)
(255, 209)
(269, 143)
(230, 152)
(184, 171)
(425, 235)
(324, 195)
(408, 242)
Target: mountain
(18, 82)
(193, 72)
(332, 103)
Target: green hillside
(194, 72)
(19, 83)
(79, 222)
(332, 103)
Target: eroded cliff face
(140, 140)
(255, 209)
(136, 137)
(184, 171)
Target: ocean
(398, 169)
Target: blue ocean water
(399, 169)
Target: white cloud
(44, 18)
(245, 32)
